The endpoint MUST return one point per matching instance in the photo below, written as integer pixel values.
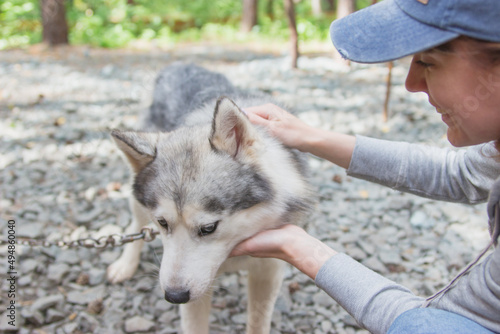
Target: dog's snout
(177, 296)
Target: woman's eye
(162, 222)
(208, 229)
(423, 64)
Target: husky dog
(209, 179)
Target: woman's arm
(463, 176)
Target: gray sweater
(465, 176)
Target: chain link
(113, 240)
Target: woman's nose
(415, 80)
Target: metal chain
(113, 240)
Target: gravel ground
(62, 178)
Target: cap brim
(383, 32)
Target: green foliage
(19, 23)
(117, 23)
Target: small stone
(162, 305)
(396, 268)
(28, 265)
(60, 121)
(323, 299)
(138, 324)
(276, 319)
(43, 303)
(374, 263)
(398, 204)
(32, 317)
(83, 279)
(144, 285)
(284, 303)
(355, 252)
(86, 322)
(389, 257)
(33, 230)
(70, 108)
(420, 220)
(337, 179)
(96, 276)
(69, 256)
(240, 318)
(326, 326)
(348, 237)
(167, 317)
(53, 316)
(230, 283)
(302, 297)
(88, 216)
(24, 280)
(90, 194)
(107, 70)
(57, 271)
(87, 296)
(70, 328)
(293, 287)
(366, 247)
(95, 306)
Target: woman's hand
(294, 133)
(289, 243)
(281, 124)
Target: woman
(456, 62)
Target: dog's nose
(177, 296)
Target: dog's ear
(232, 131)
(138, 147)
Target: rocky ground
(61, 178)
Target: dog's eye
(208, 229)
(162, 222)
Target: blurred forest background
(122, 23)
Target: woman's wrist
(307, 253)
(332, 146)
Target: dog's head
(205, 189)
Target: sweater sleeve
(463, 176)
(373, 300)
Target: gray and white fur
(209, 179)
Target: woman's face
(463, 84)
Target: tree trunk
(316, 8)
(269, 9)
(55, 27)
(330, 5)
(249, 16)
(294, 37)
(390, 65)
(345, 7)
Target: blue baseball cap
(393, 29)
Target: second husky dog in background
(209, 179)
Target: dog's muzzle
(177, 296)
